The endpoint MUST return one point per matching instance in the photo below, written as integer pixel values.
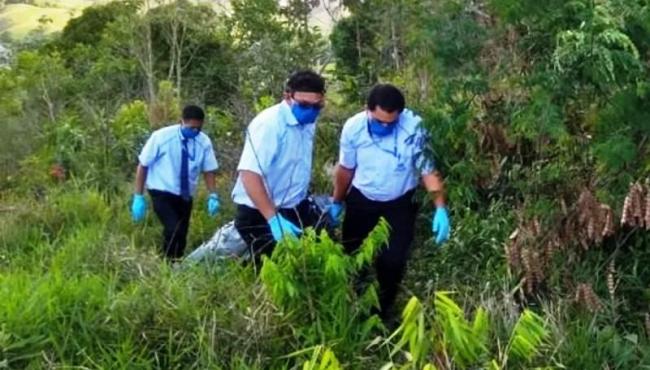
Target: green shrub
(312, 281)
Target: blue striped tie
(185, 178)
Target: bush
(312, 281)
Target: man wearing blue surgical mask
(274, 171)
(169, 166)
(381, 160)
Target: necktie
(185, 178)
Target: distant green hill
(19, 19)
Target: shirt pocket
(406, 164)
(371, 164)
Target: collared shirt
(279, 150)
(162, 156)
(385, 168)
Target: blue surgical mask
(380, 129)
(189, 132)
(305, 114)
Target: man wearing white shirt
(169, 165)
(274, 171)
(381, 161)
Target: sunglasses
(372, 119)
(305, 105)
(196, 129)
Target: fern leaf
(527, 337)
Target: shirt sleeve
(423, 153)
(260, 147)
(149, 152)
(347, 151)
(209, 158)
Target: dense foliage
(539, 113)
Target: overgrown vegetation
(539, 115)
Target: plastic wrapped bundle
(225, 243)
(320, 205)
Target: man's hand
(280, 227)
(213, 204)
(441, 225)
(138, 207)
(335, 209)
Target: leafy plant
(312, 281)
(322, 359)
(446, 339)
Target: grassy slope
(22, 18)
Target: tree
(192, 50)
(271, 41)
(89, 27)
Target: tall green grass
(78, 288)
(81, 286)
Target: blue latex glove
(440, 225)
(335, 210)
(280, 226)
(138, 207)
(213, 204)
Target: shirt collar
(178, 132)
(287, 114)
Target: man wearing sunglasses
(382, 158)
(169, 165)
(274, 171)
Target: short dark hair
(305, 80)
(386, 96)
(193, 112)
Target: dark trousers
(255, 231)
(174, 213)
(361, 216)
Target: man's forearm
(436, 187)
(254, 186)
(210, 181)
(342, 179)
(140, 179)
